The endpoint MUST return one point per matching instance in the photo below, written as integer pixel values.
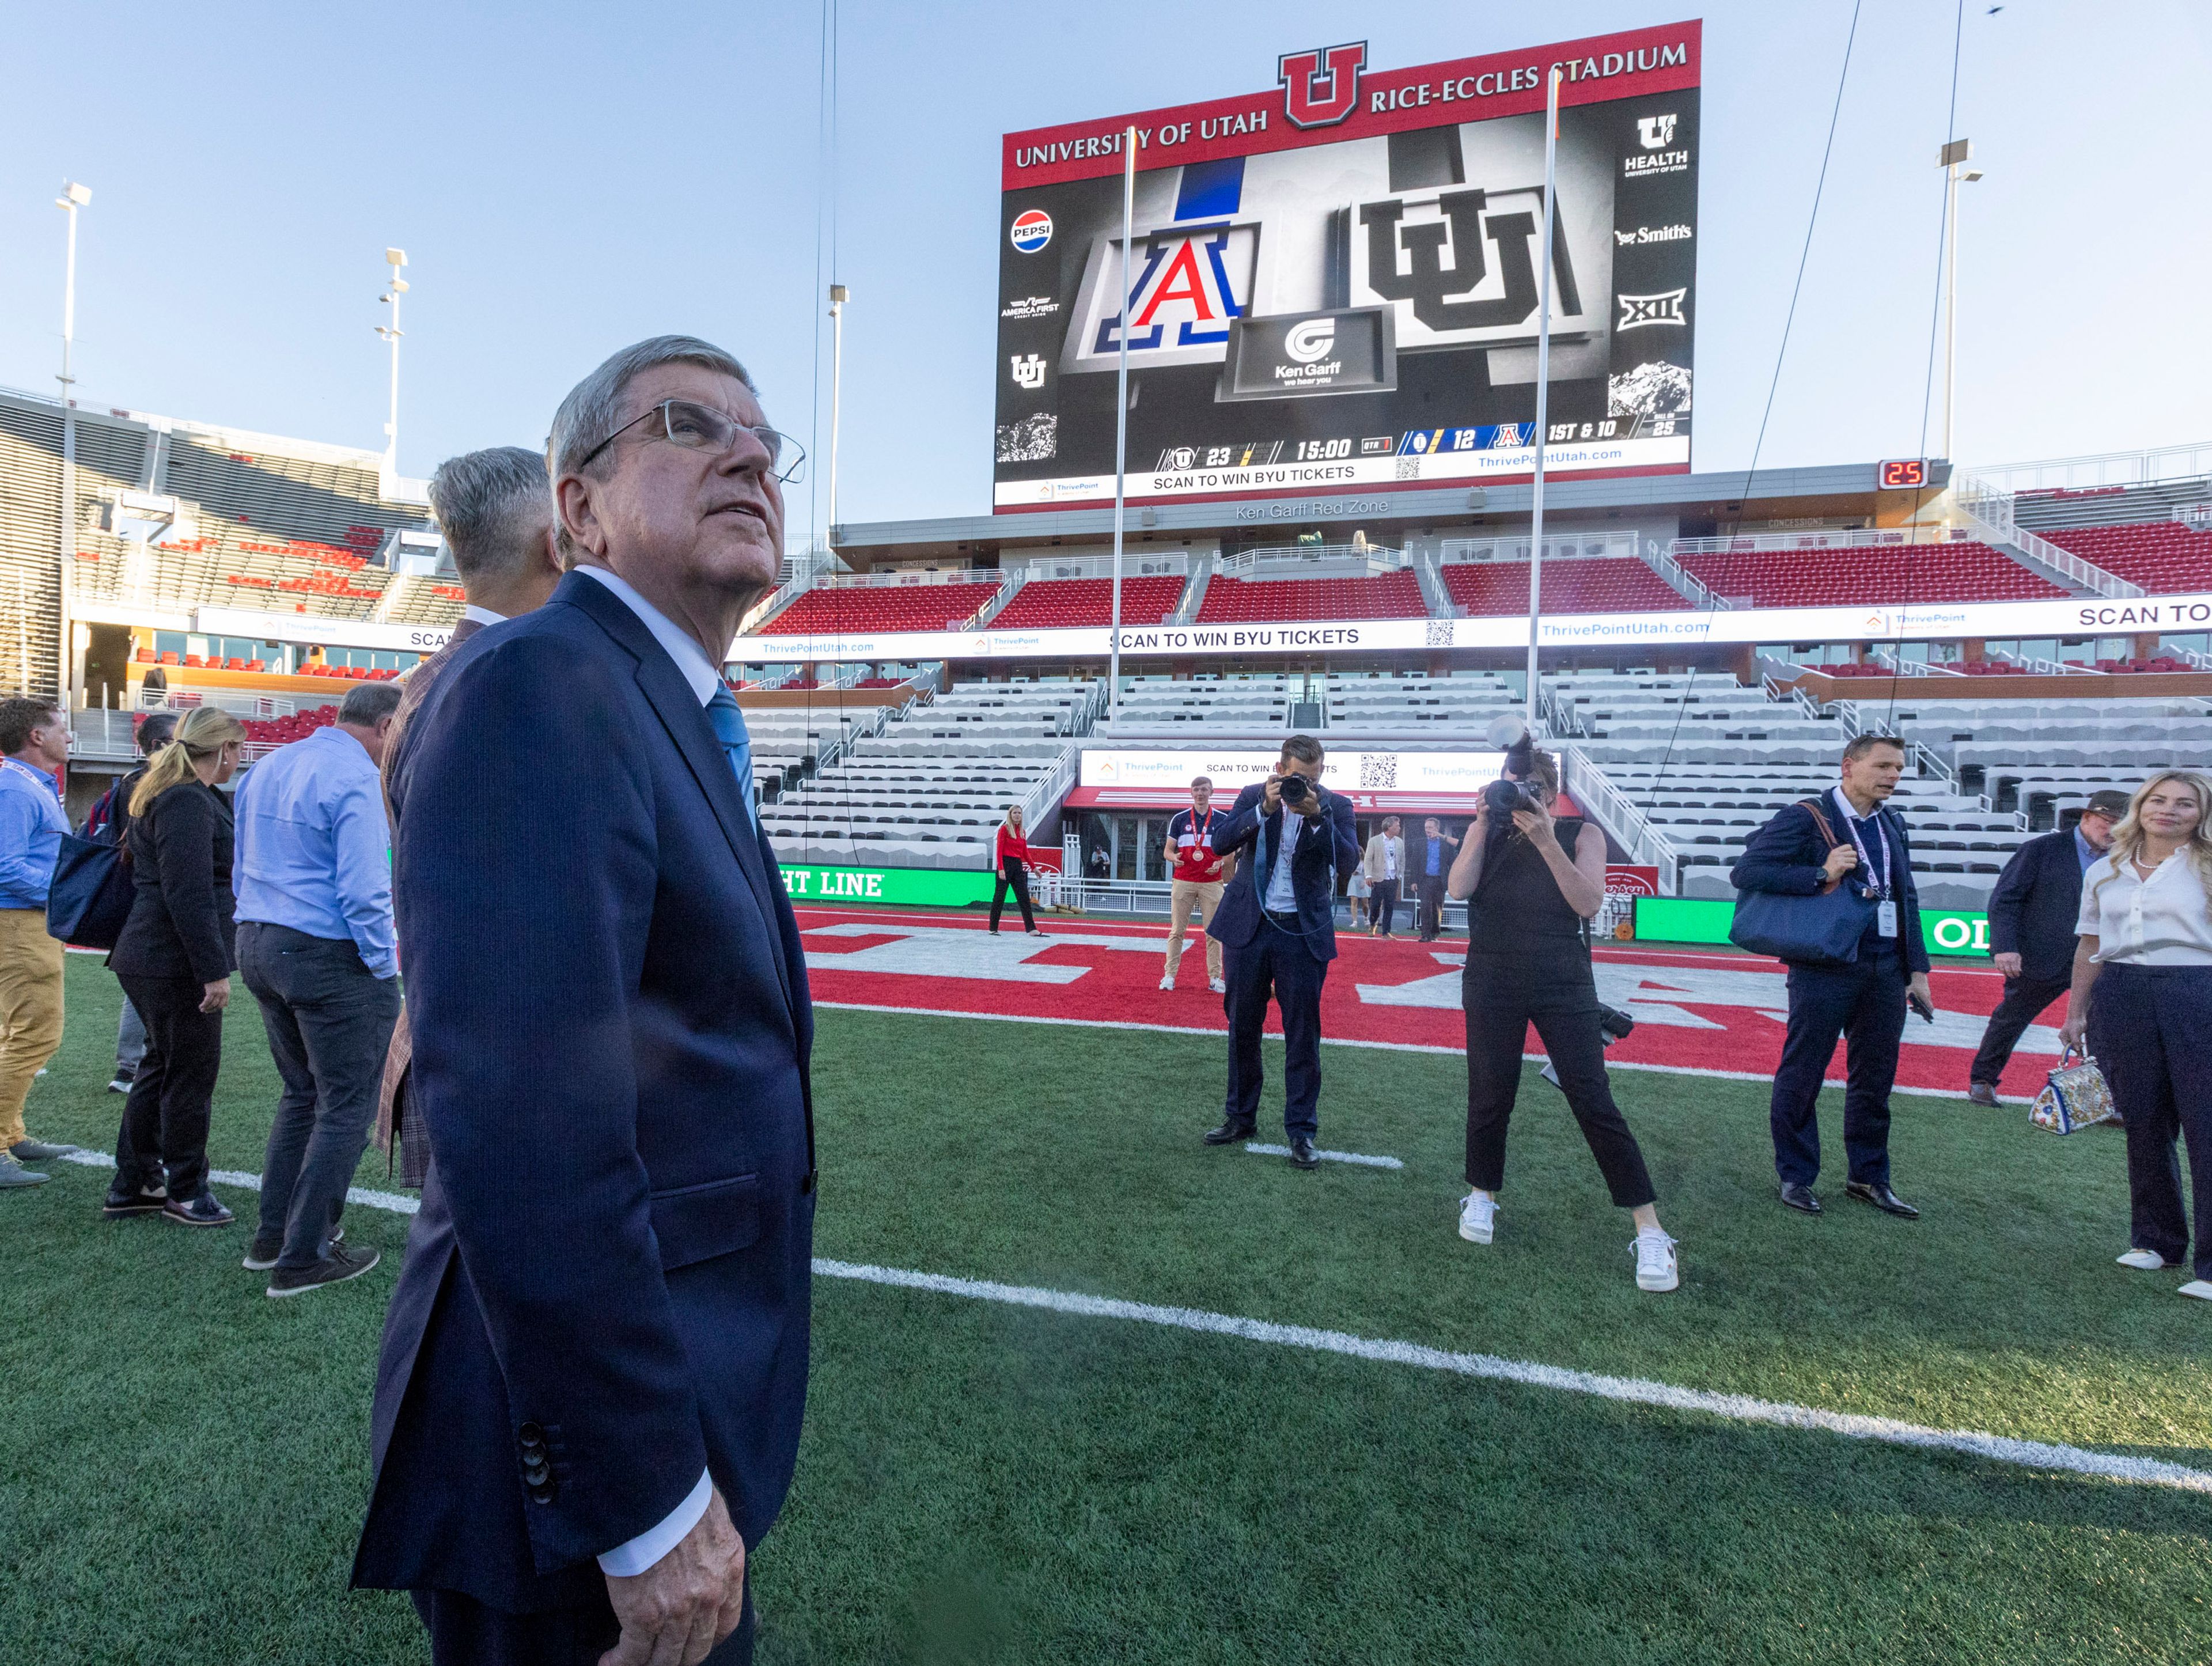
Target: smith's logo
(1657, 132)
(1029, 371)
(1314, 338)
(1637, 311)
(1460, 234)
(1321, 88)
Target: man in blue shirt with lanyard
(34, 736)
(1864, 1001)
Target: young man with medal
(1846, 838)
(1198, 875)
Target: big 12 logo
(1302, 74)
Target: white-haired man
(594, 1367)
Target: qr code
(1378, 769)
(1440, 633)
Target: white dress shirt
(628, 1560)
(483, 616)
(2158, 922)
(691, 659)
(1281, 898)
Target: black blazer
(1785, 856)
(606, 1287)
(1325, 850)
(180, 924)
(2036, 904)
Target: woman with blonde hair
(1011, 854)
(2145, 959)
(174, 959)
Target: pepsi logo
(1032, 230)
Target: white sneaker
(2200, 1288)
(1216, 986)
(1168, 982)
(1655, 1266)
(1478, 1218)
(2143, 1261)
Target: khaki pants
(30, 1010)
(1191, 897)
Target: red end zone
(1694, 1011)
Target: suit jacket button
(541, 1494)
(531, 1434)
(536, 1473)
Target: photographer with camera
(1277, 923)
(1532, 884)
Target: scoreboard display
(1336, 283)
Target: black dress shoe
(1229, 1133)
(1882, 1198)
(1799, 1198)
(1981, 1093)
(1302, 1155)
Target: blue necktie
(729, 720)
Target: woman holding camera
(1531, 883)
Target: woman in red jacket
(1013, 860)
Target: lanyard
(1201, 832)
(29, 773)
(1879, 888)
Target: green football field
(186, 1463)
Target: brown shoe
(1981, 1093)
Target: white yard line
(1364, 1162)
(1630, 1390)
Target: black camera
(1292, 787)
(1506, 795)
(1513, 790)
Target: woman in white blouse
(2146, 951)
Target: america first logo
(1032, 230)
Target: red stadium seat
(1063, 603)
(1581, 585)
(1870, 575)
(1392, 596)
(881, 609)
(2158, 555)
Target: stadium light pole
(839, 295)
(73, 197)
(394, 258)
(1952, 159)
(1121, 417)
(1543, 385)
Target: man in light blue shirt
(316, 947)
(35, 740)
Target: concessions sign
(1334, 280)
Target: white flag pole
(1543, 385)
(1121, 416)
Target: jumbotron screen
(1334, 283)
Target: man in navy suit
(1277, 926)
(1863, 1002)
(2032, 912)
(589, 1402)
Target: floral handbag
(2077, 1096)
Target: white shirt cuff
(627, 1561)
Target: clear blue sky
(567, 178)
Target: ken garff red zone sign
(1334, 281)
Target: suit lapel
(686, 720)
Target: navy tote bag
(91, 894)
(1822, 929)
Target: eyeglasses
(701, 427)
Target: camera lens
(1294, 789)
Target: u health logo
(1032, 230)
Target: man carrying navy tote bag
(1846, 846)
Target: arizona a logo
(1321, 88)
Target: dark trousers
(1012, 873)
(1384, 904)
(165, 1120)
(1432, 906)
(1864, 1004)
(2024, 997)
(330, 1022)
(2153, 1038)
(466, 1632)
(1276, 961)
(1553, 989)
